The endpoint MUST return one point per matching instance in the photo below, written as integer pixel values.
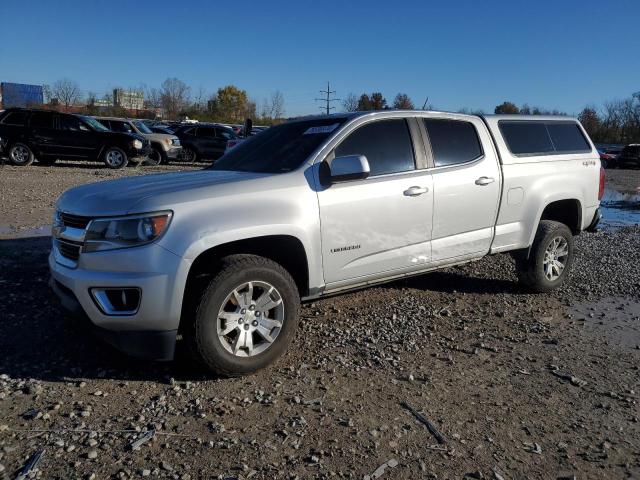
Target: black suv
(630, 156)
(27, 134)
(202, 141)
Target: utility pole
(327, 99)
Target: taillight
(601, 189)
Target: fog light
(117, 301)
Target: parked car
(606, 160)
(630, 156)
(165, 147)
(29, 134)
(203, 141)
(315, 207)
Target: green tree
(364, 103)
(378, 102)
(507, 107)
(231, 104)
(590, 121)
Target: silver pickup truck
(221, 258)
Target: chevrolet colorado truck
(221, 258)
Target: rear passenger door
(381, 225)
(466, 187)
(43, 133)
(207, 142)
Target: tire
(189, 155)
(156, 157)
(115, 158)
(539, 272)
(20, 154)
(228, 354)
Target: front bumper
(137, 155)
(151, 331)
(173, 152)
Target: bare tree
(152, 97)
(350, 103)
(200, 99)
(67, 92)
(174, 96)
(276, 105)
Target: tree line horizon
(617, 121)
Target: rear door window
(206, 132)
(15, 118)
(386, 144)
(41, 120)
(453, 142)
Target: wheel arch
(285, 250)
(567, 211)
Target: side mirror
(348, 167)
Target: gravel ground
(518, 385)
(28, 195)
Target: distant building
(102, 102)
(20, 95)
(128, 99)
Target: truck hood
(119, 197)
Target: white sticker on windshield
(323, 129)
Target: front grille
(74, 221)
(69, 249)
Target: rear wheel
(246, 318)
(115, 158)
(21, 155)
(550, 258)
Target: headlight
(176, 141)
(122, 232)
(137, 144)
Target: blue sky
(561, 54)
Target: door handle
(485, 181)
(415, 191)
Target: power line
(328, 92)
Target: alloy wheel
(20, 154)
(555, 258)
(250, 319)
(114, 158)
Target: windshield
(142, 127)
(93, 123)
(279, 149)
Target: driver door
(381, 225)
(75, 138)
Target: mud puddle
(620, 208)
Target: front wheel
(550, 258)
(188, 155)
(115, 158)
(21, 155)
(155, 158)
(246, 318)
